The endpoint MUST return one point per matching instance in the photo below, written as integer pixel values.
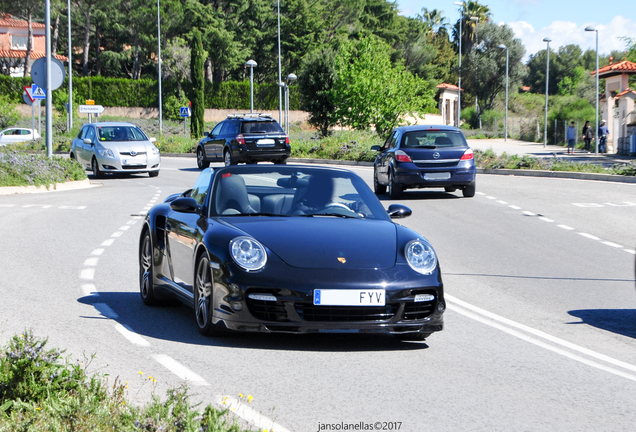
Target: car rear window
(259, 127)
(433, 139)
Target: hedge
(123, 92)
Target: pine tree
(197, 58)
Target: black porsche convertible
(293, 249)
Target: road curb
(559, 174)
(57, 187)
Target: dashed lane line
(180, 370)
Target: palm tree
(434, 19)
(469, 33)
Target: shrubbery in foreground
(18, 168)
(41, 391)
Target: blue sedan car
(424, 157)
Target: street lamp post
(596, 113)
(476, 21)
(159, 65)
(547, 74)
(280, 89)
(291, 77)
(70, 70)
(502, 46)
(459, 84)
(251, 64)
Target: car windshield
(260, 127)
(293, 192)
(120, 133)
(433, 139)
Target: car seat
(232, 197)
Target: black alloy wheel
(201, 162)
(204, 297)
(146, 272)
(469, 191)
(378, 188)
(395, 190)
(97, 173)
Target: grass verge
(41, 391)
(19, 167)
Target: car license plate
(336, 297)
(140, 160)
(265, 142)
(437, 176)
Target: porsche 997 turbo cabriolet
(293, 249)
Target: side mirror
(205, 134)
(87, 141)
(152, 139)
(398, 211)
(185, 205)
(376, 148)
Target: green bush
(341, 145)
(8, 114)
(18, 168)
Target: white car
(115, 147)
(15, 135)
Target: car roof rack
(249, 115)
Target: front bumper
(293, 310)
(126, 164)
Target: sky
(563, 21)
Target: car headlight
(154, 150)
(106, 152)
(248, 253)
(420, 256)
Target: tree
(490, 62)
(315, 82)
(370, 91)
(197, 58)
(86, 7)
(434, 19)
(28, 9)
(469, 26)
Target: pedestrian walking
(603, 132)
(588, 136)
(570, 135)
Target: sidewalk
(516, 147)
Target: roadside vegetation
(21, 168)
(41, 390)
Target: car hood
(324, 242)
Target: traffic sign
(90, 102)
(91, 109)
(185, 112)
(29, 91)
(27, 99)
(37, 92)
(38, 73)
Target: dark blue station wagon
(424, 157)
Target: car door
(80, 147)
(384, 158)
(210, 147)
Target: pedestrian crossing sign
(37, 92)
(185, 112)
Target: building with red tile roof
(448, 99)
(13, 44)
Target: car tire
(378, 188)
(201, 162)
(413, 336)
(146, 272)
(395, 190)
(72, 157)
(227, 158)
(204, 297)
(469, 190)
(97, 173)
(153, 173)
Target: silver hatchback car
(114, 147)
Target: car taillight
(468, 154)
(286, 139)
(400, 156)
(240, 139)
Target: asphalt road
(540, 327)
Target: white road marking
(91, 261)
(545, 219)
(105, 310)
(569, 228)
(631, 251)
(108, 242)
(590, 236)
(179, 370)
(527, 213)
(143, 212)
(72, 207)
(131, 335)
(87, 274)
(624, 204)
(608, 243)
(242, 410)
(36, 205)
(89, 290)
(116, 234)
(480, 193)
(514, 207)
(588, 205)
(491, 197)
(124, 228)
(7, 205)
(502, 202)
(97, 252)
(491, 319)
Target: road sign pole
(39, 117)
(33, 117)
(185, 122)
